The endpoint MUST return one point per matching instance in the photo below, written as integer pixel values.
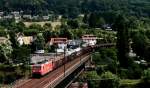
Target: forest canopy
(69, 7)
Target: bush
(133, 72)
(145, 81)
(146, 75)
(112, 67)
(100, 69)
(9, 73)
(3, 33)
(93, 79)
(10, 77)
(93, 83)
(109, 80)
(127, 86)
(123, 73)
(31, 32)
(127, 83)
(92, 75)
(1, 77)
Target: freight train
(46, 66)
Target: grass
(129, 82)
(54, 24)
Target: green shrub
(93, 83)
(1, 77)
(10, 77)
(109, 80)
(9, 73)
(92, 75)
(145, 81)
(127, 86)
(123, 73)
(93, 79)
(3, 33)
(146, 75)
(100, 69)
(112, 67)
(127, 83)
(133, 72)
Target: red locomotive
(51, 63)
(42, 68)
(44, 63)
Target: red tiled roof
(58, 40)
(89, 37)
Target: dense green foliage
(71, 8)
(109, 80)
(106, 80)
(9, 73)
(132, 26)
(145, 82)
(122, 27)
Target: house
(74, 42)
(27, 17)
(8, 17)
(27, 40)
(59, 17)
(0, 17)
(3, 40)
(81, 15)
(107, 27)
(89, 39)
(36, 17)
(15, 13)
(17, 18)
(45, 17)
(1, 13)
(57, 41)
(61, 43)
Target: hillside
(74, 7)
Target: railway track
(43, 81)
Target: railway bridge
(54, 78)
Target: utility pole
(64, 59)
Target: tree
(39, 43)
(47, 26)
(73, 24)
(6, 50)
(47, 35)
(73, 12)
(97, 58)
(85, 18)
(21, 55)
(20, 26)
(100, 22)
(13, 40)
(145, 80)
(64, 32)
(122, 27)
(36, 26)
(93, 79)
(109, 80)
(139, 43)
(92, 20)
(95, 20)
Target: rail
(75, 65)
